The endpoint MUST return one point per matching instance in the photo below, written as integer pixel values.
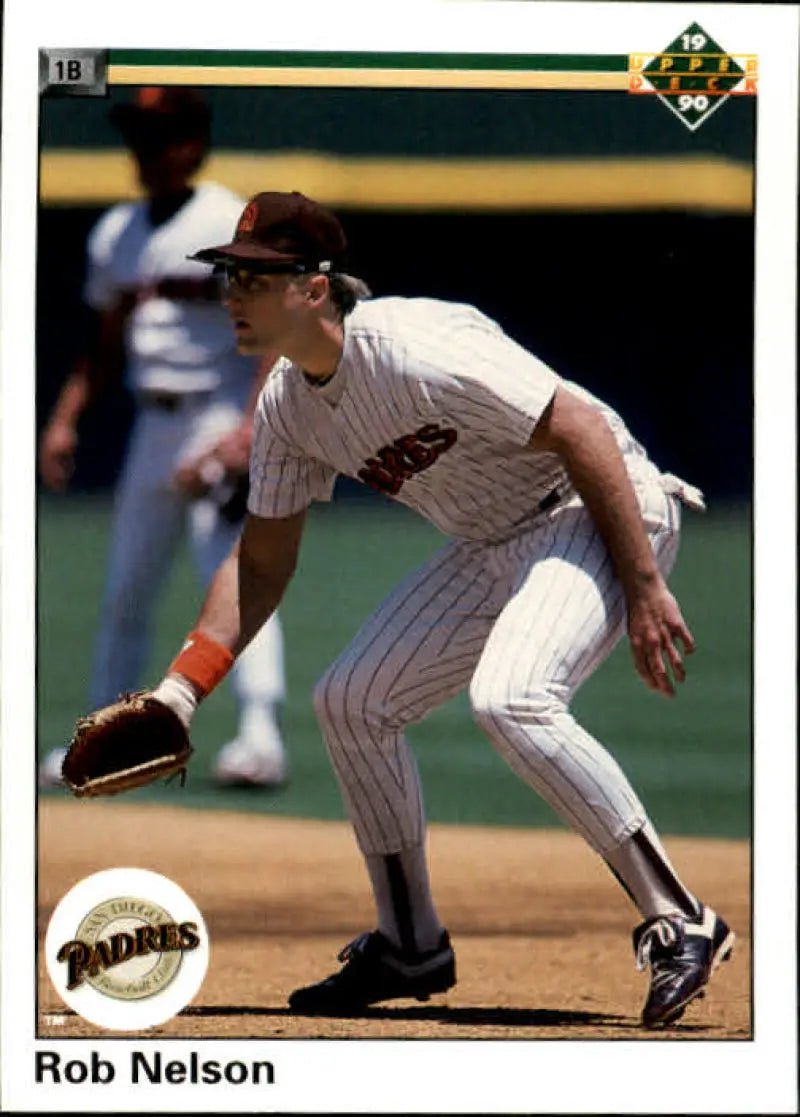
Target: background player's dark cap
(160, 114)
(283, 233)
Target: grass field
(690, 759)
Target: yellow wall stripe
(79, 177)
(363, 78)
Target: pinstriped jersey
(431, 404)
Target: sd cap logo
(127, 949)
(150, 97)
(247, 221)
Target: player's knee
(327, 698)
(537, 705)
(342, 699)
(337, 700)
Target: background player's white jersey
(432, 404)
(172, 344)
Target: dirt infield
(540, 928)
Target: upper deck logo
(693, 76)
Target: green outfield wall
(600, 231)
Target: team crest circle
(121, 948)
(127, 949)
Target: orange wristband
(202, 661)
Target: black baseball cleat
(375, 970)
(683, 953)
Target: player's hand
(197, 476)
(230, 456)
(659, 638)
(57, 455)
(233, 451)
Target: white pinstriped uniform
(434, 404)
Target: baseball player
(159, 314)
(562, 533)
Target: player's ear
(316, 289)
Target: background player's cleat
(375, 970)
(682, 954)
(50, 769)
(242, 764)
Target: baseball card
(398, 549)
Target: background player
(156, 315)
(562, 533)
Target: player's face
(268, 311)
(166, 168)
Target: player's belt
(549, 501)
(169, 401)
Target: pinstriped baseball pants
(522, 623)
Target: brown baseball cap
(283, 233)
(162, 113)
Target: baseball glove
(126, 745)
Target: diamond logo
(693, 76)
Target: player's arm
(244, 593)
(59, 439)
(99, 366)
(580, 435)
(145, 736)
(249, 585)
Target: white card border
(340, 1076)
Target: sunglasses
(235, 277)
(246, 278)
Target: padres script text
(84, 958)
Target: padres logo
(127, 948)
